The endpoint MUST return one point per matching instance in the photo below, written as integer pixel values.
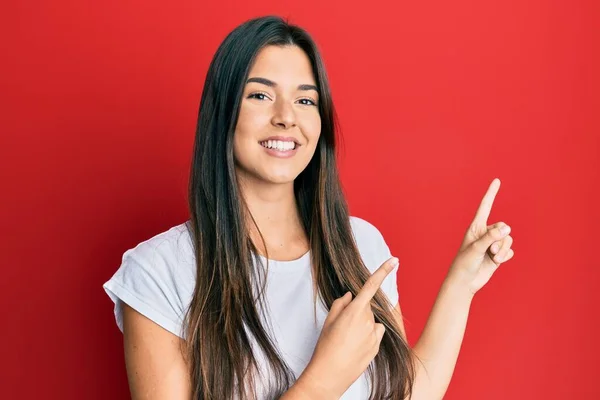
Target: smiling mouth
(279, 145)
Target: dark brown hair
(223, 317)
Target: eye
(258, 96)
(311, 102)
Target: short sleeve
(152, 282)
(375, 251)
(390, 284)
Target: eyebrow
(270, 83)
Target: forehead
(288, 64)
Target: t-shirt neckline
(289, 264)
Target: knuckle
(473, 230)
(473, 247)
(370, 323)
(370, 284)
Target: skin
(267, 182)
(155, 365)
(350, 337)
(156, 368)
(473, 266)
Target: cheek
(312, 129)
(249, 122)
(250, 125)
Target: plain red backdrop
(435, 99)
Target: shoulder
(374, 252)
(156, 278)
(167, 256)
(171, 249)
(370, 242)
(364, 230)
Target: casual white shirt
(157, 278)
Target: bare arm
(438, 348)
(439, 344)
(305, 389)
(156, 369)
(483, 249)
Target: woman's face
(279, 123)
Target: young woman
(271, 290)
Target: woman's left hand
(484, 247)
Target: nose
(284, 115)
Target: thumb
(338, 306)
(492, 235)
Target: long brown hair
(223, 318)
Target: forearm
(306, 388)
(296, 392)
(440, 342)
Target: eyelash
(253, 95)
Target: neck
(273, 207)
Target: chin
(270, 174)
(279, 179)
(277, 175)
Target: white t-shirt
(157, 279)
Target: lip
(280, 154)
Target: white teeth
(279, 145)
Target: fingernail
(394, 262)
(505, 229)
(494, 248)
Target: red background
(436, 98)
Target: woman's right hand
(349, 340)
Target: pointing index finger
(374, 282)
(485, 208)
